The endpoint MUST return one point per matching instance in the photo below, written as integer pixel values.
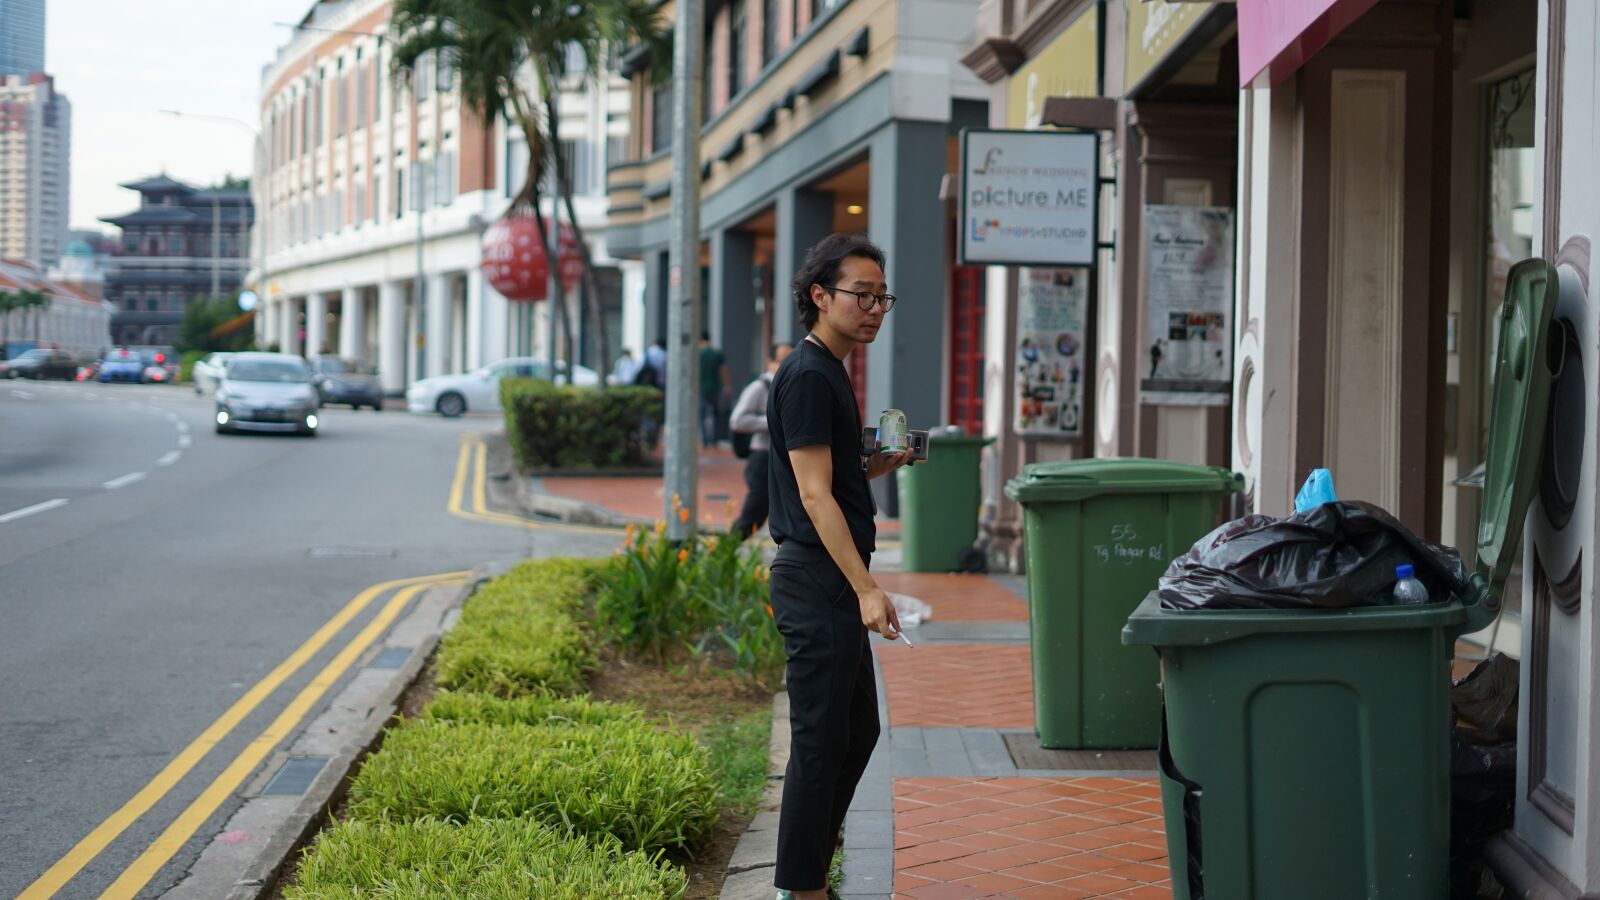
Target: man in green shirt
(714, 385)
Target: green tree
(213, 324)
(508, 57)
(33, 305)
(9, 303)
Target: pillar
(289, 338)
(655, 296)
(392, 336)
(905, 365)
(352, 324)
(436, 326)
(731, 313)
(804, 218)
(316, 324)
(267, 323)
(483, 324)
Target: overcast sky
(121, 62)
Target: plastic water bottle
(1408, 591)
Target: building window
(318, 111)
(616, 148)
(769, 32)
(377, 194)
(661, 118)
(361, 201)
(305, 122)
(516, 166)
(361, 97)
(174, 245)
(419, 76)
(444, 178)
(737, 26)
(341, 104)
(399, 191)
(447, 72)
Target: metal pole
(683, 281)
(418, 201)
(558, 299)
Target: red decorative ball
(514, 258)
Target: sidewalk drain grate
(390, 658)
(714, 498)
(294, 777)
(1027, 753)
(351, 552)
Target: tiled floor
(958, 598)
(958, 685)
(1061, 838)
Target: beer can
(893, 436)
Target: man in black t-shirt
(823, 598)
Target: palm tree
(508, 56)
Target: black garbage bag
(1335, 556)
(1483, 769)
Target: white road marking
(172, 417)
(183, 427)
(24, 395)
(170, 458)
(184, 441)
(124, 481)
(30, 510)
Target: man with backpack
(750, 417)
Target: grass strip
(533, 709)
(484, 859)
(738, 749)
(651, 789)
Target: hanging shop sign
(1048, 380)
(1029, 198)
(1189, 305)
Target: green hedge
(648, 788)
(186, 366)
(523, 633)
(485, 859)
(551, 427)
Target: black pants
(833, 709)
(754, 512)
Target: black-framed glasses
(866, 300)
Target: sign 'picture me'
(1028, 198)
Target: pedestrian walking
(714, 387)
(626, 368)
(655, 361)
(750, 417)
(824, 598)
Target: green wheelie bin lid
(1524, 371)
(1080, 479)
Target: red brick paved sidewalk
(955, 836)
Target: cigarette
(903, 637)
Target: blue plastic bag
(1317, 490)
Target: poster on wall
(1028, 198)
(1050, 351)
(1189, 307)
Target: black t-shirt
(812, 403)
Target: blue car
(121, 365)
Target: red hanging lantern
(514, 258)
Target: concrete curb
(238, 867)
(755, 856)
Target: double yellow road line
(472, 466)
(137, 875)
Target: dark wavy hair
(822, 267)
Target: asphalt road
(152, 572)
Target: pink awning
(1278, 36)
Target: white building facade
(35, 168)
(374, 197)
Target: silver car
(267, 392)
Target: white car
(452, 395)
(207, 373)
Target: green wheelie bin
(1306, 752)
(940, 499)
(1097, 533)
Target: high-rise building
(35, 168)
(21, 37)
